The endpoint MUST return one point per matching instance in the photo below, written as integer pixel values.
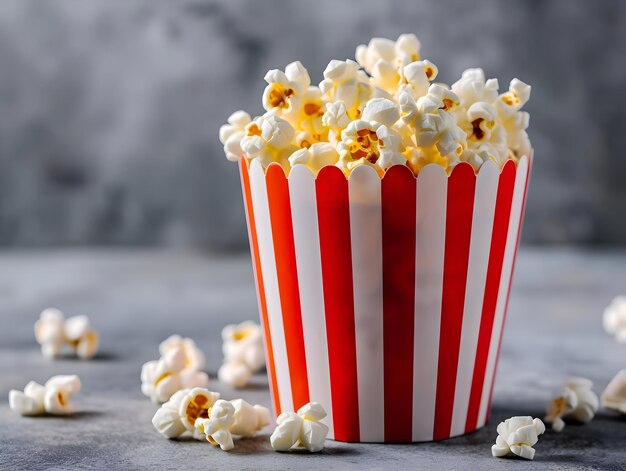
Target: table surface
(136, 298)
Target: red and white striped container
(384, 299)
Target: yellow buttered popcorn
(385, 109)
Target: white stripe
(480, 244)
(258, 190)
(432, 187)
(505, 279)
(309, 265)
(364, 187)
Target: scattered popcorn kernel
(244, 343)
(52, 398)
(50, 332)
(301, 430)
(248, 419)
(30, 401)
(614, 318)
(59, 390)
(178, 368)
(216, 427)
(53, 332)
(194, 358)
(517, 436)
(81, 337)
(235, 374)
(577, 401)
(160, 379)
(167, 419)
(196, 404)
(614, 396)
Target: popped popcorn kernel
(390, 85)
(517, 436)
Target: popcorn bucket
(384, 299)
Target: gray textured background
(109, 110)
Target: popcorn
(82, 337)
(614, 396)
(614, 318)
(517, 96)
(53, 332)
(390, 85)
(50, 332)
(369, 143)
(243, 353)
(517, 436)
(232, 133)
(30, 401)
(203, 415)
(576, 401)
(217, 427)
(234, 373)
(194, 358)
(52, 398)
(248, 419)
(342, 82)
(301, 430)
(160, 379)
(244, 342)
(59, 389)
(416, 78)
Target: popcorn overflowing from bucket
(383, 110)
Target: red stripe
(334, 230)
(459, 212)
(260, 288)
(519, 234)
(287, 273)
(502, 213)
(398, 233)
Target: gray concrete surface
(136, 298)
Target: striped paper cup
(384, 299)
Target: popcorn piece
(301, 430)
(517, 436)
(196, 404)
(244, 343)
(369, 143)
(160, 379)
(216, 427)
(268, 138)
(234, 373)
(194, 358)
(315, 157)
(82, 337)
(576, 401)
(52, 398)
(232, 133)
(342, 82)
(167, 419)
(50, 332)
(248, 419)
(59, 389)
(30, 401)
(614, 396)
(614, 318)
(469, 121)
